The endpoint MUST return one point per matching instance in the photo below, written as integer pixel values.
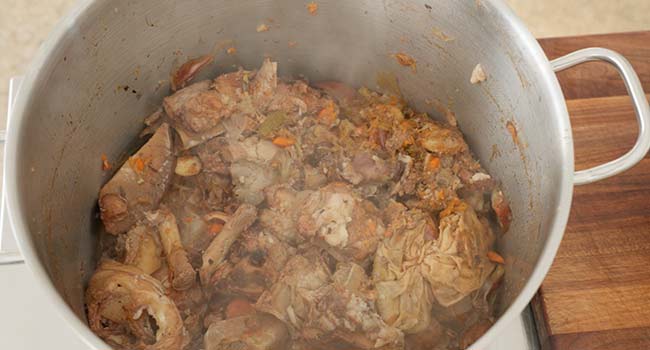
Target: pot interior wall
(111, 70)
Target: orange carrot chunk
(105, 164)
(434, 163)
(312, 7)
(328, 114)
(214, 229)
(495, 257)
(283, 141)
(137, 164)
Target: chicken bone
(216, 253)
(182, 273)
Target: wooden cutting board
(597, 293)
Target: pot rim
(557, 104)
(19, 223)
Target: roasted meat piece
(342, 319)
(284, 206)
(211, 154)
(139, 185)
(182, 274)
(256, 164)
(254, 264)
(420, 263)
(325, 313)
(252, 332)
(297, 99)
(441, 140)
(434, 337)
(143, 249)
(191, 303)
(129, 310)
(333, 217)
(290, 297)
(338, 219)
(353, 278)
(196, 112)
(458, 264)
(265, 82)
(294, 98)
(404, 297)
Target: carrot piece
(495, 257)
(328, 115)
(283, 141)
(454, 205)
(105, 164)
(238, 307)
(214, 229)
(231, 51)
(137, 164)
(434, 163)
(188, 219)
(312, 7)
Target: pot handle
(11, 255)
(635, 90)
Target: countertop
(596, 295)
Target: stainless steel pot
(100, 73)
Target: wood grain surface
(597, 293)
(598, 79)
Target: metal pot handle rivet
(635, 90)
